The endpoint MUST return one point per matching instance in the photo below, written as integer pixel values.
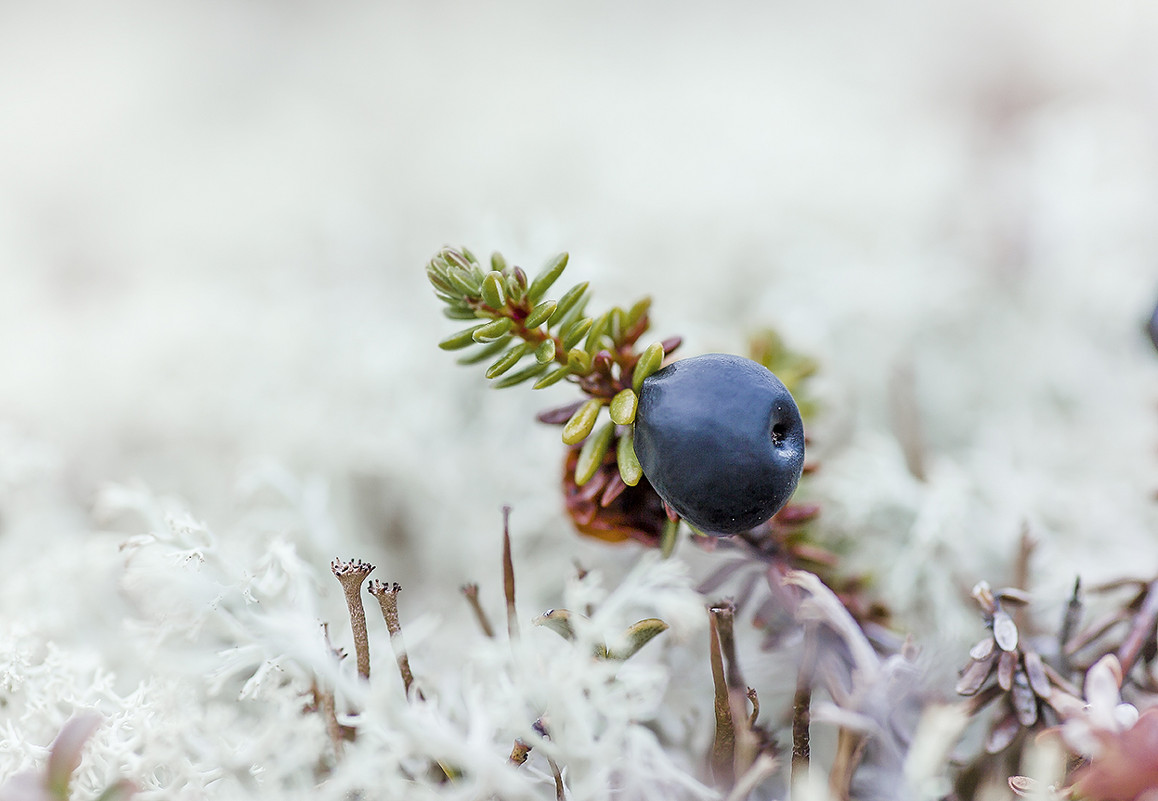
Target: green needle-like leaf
(640, 308)
(543, 281)
(498, 262)
(553, 377)
(484, 353)
(492, 290)
(461, 339)
(519, 377)
(540, 314)
(598, 329)
(460, 313)
(592, 453)
(576, 312)
(649, 362)
(508, 360)
(629, 468)
(545, 352)
(579, 426)
(575, 332)
(493, 330)
(567, 302)
(623, 407)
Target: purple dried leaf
(1035, 673)
(1024, 700)
(1006, 665)
(983, 649)
(1004, 630)
(974, 677)
(1004, 733)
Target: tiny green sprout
(581, 423)
(507, 360)
(540, 314)
(629, 468)
(492, 290)
(543, 281)
(496, 329)
(592, 453)
(648, 363)
(623, 407)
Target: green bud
(545, 352)
(637, 636)
(567, 302)
(484, 353)
(498, 262)
(460, 339)
(623, 407)
(438, 277)
(579, 361)
(540, 314)
(649, 362)
(519, 377)
(493, 330)
(553, 377)
(519, 277)
(629, 468)
(592, 453)
(551, 272)
(456, 258)
(514, 291)
(581, 423)
(575, 332)
(507, 360)
(492, 290)
(464, 281)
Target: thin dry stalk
(509, 577)
(1141, 630)
(849, 748)
(470, 591)
(802, 709)
(351, 575)
(560, 795)
(388, 600)
(724, 742)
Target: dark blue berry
(721, 440)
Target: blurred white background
(214, 217)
